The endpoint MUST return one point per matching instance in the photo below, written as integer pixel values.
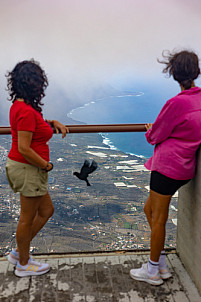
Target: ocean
(127, 108)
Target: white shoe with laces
(165, 273)
(141, 274)
(13, 258)
(31, 269)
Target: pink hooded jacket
(176, 134)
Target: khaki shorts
(26, 179)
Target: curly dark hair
(183, 66)
(27, 81)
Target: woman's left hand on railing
(59, 127)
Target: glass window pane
(108, 215)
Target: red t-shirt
(24, 117)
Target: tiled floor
(96, 278)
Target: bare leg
(156, 209)
(29, 208)
(160, 209)
(45, 211)
(35, 212)
(148, 211)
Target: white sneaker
(141, 274)
(165, 273)
(31, 269)
(13, 258)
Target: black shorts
(165, 185)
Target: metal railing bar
(94, 128)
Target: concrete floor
(96, 278)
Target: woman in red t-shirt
(28, 160)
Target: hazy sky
(86, 43)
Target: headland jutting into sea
(116, 109)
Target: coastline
(109, 143)
(106, 139)
(128, 94)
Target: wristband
(45, 169)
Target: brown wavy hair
(183, 66)
(27, 81)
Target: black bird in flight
(86, 170)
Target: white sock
(153, 267)
(15, 252)
(22, 266)
(162, 262)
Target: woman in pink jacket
(176, 134)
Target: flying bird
(86, 170)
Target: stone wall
(189, 226)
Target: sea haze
(129, 108)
